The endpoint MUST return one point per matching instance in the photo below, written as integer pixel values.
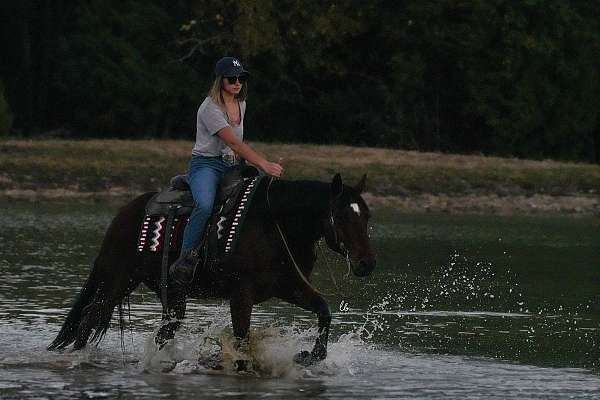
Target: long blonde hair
(215, 91)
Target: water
(458, 307)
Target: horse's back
(121, 235)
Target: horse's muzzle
(365, 266)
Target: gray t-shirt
(211, 119)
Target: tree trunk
(45, 64)
(25, 77)
(596, 139)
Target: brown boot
(182, 271)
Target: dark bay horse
(281, 229)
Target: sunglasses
(233, 79)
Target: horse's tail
(68, 332)
(114, 275)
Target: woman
(219, 139)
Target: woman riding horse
(219, 140)
(276, 252)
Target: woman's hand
(271, 168)
(243, 150)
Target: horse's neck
(301, 206)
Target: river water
(462, 307)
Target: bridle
(337, 245)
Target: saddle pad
(228, 221)
(152, 234)
(224, 225)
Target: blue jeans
(204, 176)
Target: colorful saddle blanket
(168, 211)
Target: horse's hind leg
(171, 321)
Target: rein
(292, 257)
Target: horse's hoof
(319, 352)
(212, 362)
(161, 342)
(304, 358)
(167, 366)
(241, 365)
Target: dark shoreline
(407, 181)
(489, 204)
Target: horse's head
(346, 230)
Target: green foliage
(472, 76)
(6, 117)
(128, 72)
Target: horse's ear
(361, 185)
(336, 186)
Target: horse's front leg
(308, 299)
(241, 310)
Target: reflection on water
(477, 307)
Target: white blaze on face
(355, 208)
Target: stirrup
(183, 269)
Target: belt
(230, 159)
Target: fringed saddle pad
(228, 220)
(152, 234)
(224, 226)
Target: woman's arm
(243, 150)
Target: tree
(490, 76)
(6, 117)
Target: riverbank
(410, 181)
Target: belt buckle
(228, 158)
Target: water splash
(269, 352)
(467, 306)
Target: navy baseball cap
(230, 66)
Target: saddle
(167, 213)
